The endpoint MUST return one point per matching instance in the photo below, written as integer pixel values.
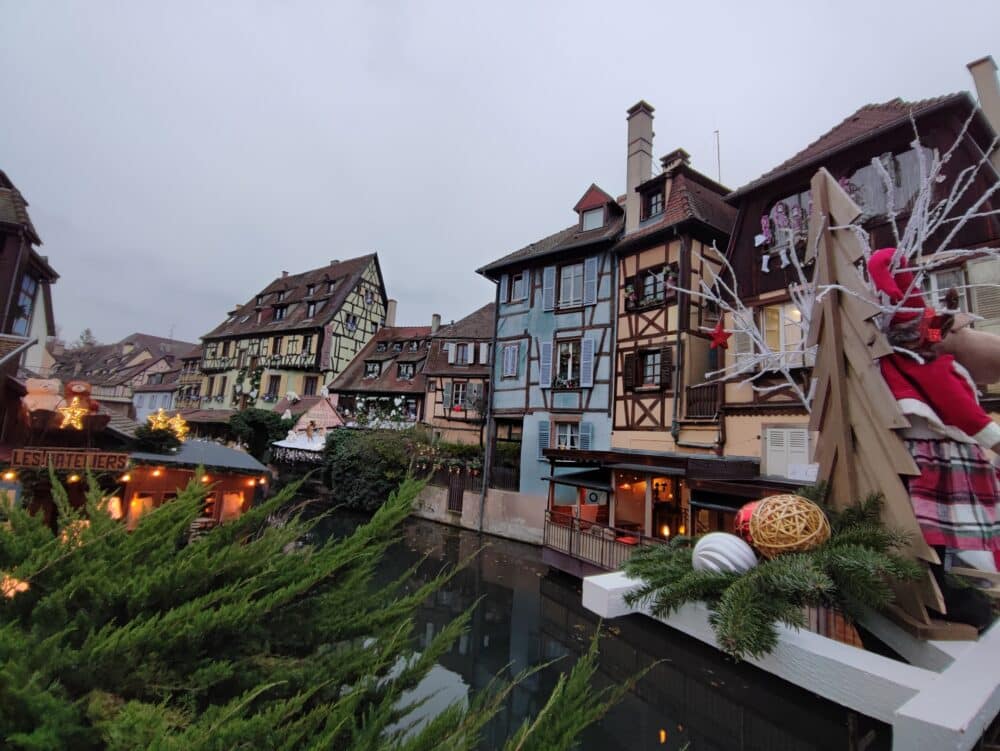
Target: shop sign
(69, 459)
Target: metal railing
(703, 401)
(505, 478)
(597, 544)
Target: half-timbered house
(772, 224)
(458, 377)
(293, 336)
(554, 337)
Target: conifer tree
(253, 636)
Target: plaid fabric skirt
(957, 495)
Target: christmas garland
(853, 570)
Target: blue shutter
(504, 281)
(549, 288)
(586, 436)
(587, 363)
(590, 281)
(545, 369)
(543, 437)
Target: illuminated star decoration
(73, 414)
(159, 420)
(179, 426)
(720, 337)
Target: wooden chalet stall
(234, 480)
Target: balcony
(218, 364)
(703, 401)
(590, 546)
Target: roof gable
(594, 198)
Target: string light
(73, 478)
(205, 478)
(73, 414)
(125, 477)
(157, 472)
(9, 475)
(10, 586)
(262, 481)
(159, 420)
(179, 427)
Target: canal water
(694, 698)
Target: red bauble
(742, 526)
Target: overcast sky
(178, 156)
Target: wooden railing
(597, 544)
(703, 401)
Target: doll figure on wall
(956, 497)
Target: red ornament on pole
(720, 337)
(742, 526)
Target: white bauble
(721, 552)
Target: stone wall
(516, 516)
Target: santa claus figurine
(956, 497)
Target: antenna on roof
(171, 332)
(718, 158)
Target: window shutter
(510, 352)
(473, 393)
(504, 284)
(590, 269)
(484, 353)
(586, 436)
(985, 300)
(470, 353)
(666, 369)
(742, 347)
(545, 370)
(776, 455)
(450, 349)
(549, 288)
(446, 395)
(587, 363)
(798, 446)
(543, 437)
(628, 372)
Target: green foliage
(250, 637)
(257, 429)
(364, 466)
(155, 441)
(507, 455)
(852, 570)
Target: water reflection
(694, 698)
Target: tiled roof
(302, 405)
(535, 250)
(14, 209)
(475, 327)
(194, 354)
(9, 342)
(207, 415)
(107, 364)
(345, 274)
(169, 383)
(857, 127)
(353, 380)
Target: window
(273, 386)
(783, 333)
(329, 286)
(511, 354)
(519, 286)
(373, 369)
(310, 289)
(571, 284)
(352, 322)
(568, 364)
(407, 370)
(462, 353)
(567, 435)
(309, 385)
(397, 346)
(592, 219)
(650, 364)
(937, 284)
(292, 347)
(225, 349)
(369, 297)
(276, 345)
(25, 305)
(210, 387)
(310, 309)
(307, 343)
(260, 299)
(140, 400)
(458, 395)
(414, 347)
(281, 295)
(652, 204)
(381, 347)
(280, 311)
(222, 388)
(786, 451)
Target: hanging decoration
(159, 420)
(720, 337)
(721, 552)
(765, 263)
(787, 524)
(73, 414)
(177, 425)
(742, 524)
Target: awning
(595, 479)
(647, 469)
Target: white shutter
(590, 268)
(450, 349)
(543, 437)
(742, 348)
(776, 452)
(504, 282)
(586, 436)
(587, 363)
(545, 369)
(549, 288)
(798, 445)
(986, 299)
(511, 355)
(484, 353)
(470, 353)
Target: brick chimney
(984, 75)
(390, 312)
(435, 323)
(639, 167)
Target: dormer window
(281, 295)
(414, 346)
(373, 369)
(260, 299)
(652, 204)
(329, 286)
(397, 347)
(310, 310)
(310, 289)
(592, 219)
(380, 347)
(407, 370)
(280, 311)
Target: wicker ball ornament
(742, 525)
(721, 552)
(787, 524)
